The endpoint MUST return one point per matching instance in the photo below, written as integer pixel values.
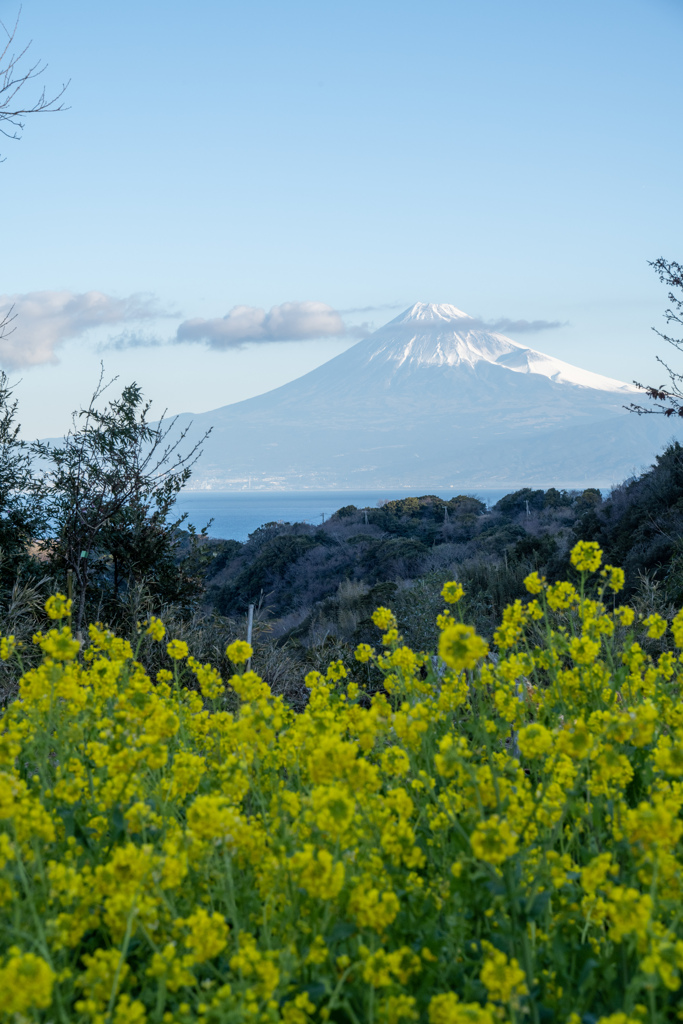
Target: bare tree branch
(667, 400)
(15, 74)
(5, 322)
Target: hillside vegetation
(315, 588)
(319, 584)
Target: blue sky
(518, 160)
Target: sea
(236, 514)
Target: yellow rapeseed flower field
(492, 836)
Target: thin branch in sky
(15, 75)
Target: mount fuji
(431, 400)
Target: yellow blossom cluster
(489, 834)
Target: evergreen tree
(111, 487)
(22, 513)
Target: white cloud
(43, 321)
(522, 326)
(243, 325)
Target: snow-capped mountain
(442, 335)
(431, 400)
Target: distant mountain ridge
(431, 399)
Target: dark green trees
(108, 494)
(22, 515)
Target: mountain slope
(431, 400)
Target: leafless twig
(667, 400)
(15, 74)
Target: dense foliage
(487, 837)
(22, 517)
(94, 513)
(317, 582)
(109, 490)
(297, 565)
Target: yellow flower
(583, 650)
(372, 908)
(451, 752)
(534, 583)
(677, 628)
(209, 679)
(384, 618)
(562, 595)
(381, 967)
(668, 754)
(58, 606)
(249, 686)
(155, 628)
(452, 592)
(629, 912)
(504, 979)
(446, 1008)
(125, 803)
(535, 740)
(620, 1018)
(403, 658)
(26, 981)
(208, 934)
(614, 576)
(177, 649)
(188, 769)
(317, 872)
(395, 761)
(510, 629)
(493, 840)
(363, 653)
(8, 646)
(298, 1009)
(336, 671)
(625, 615)
(586, 556)
(399, 1008)
(58, 644)
(129, 1011)
(333, 808)
(656, 626)
(318, 952)
(460, 647)
(101, 968)
(577, 742)
(239, 652)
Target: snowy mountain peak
(433, 400)
(432, 311)
(431, 334)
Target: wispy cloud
(505, 325)
(131, 339)
(43, 321)
(372, 309)
(502, 325)
(247, 325)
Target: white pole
(250, 623)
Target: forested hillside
(313, 583)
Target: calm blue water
(236, 514)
